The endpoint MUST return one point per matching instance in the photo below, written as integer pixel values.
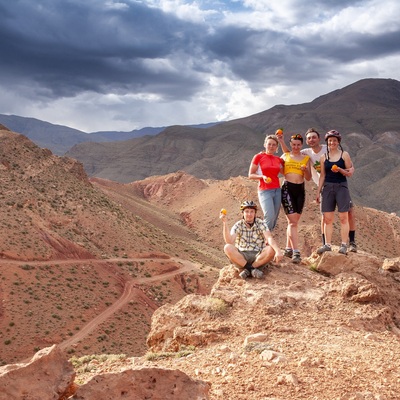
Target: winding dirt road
(130, 290)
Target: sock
(323, 239)
(248, 266)
(296, 251)
(352, 236)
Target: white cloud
(125, 64)
(188, 11)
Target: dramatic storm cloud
(122, 65)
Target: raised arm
(281, 141)
(228, 238)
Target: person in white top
(315, 151)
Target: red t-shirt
(270, 166)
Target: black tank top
(334, 177)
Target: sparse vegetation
(215, 307)
(258, 347)
(183, 352)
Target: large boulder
(48, 375)
(143, 383)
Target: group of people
(249, 243)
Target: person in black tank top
(333, 191)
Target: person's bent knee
(229, 249)
(265, 257)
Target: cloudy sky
(126, 64)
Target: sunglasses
(298, 137)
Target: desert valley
(120, 289)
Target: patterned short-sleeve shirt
(250, 239)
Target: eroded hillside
(69, 252)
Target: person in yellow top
(297, 167)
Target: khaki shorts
(249, 256)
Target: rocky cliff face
(325, 329)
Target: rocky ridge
(51, 292)
(325, 329)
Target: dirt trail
(130, 290)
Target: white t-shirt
(315, 157)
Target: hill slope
(366, 113)
(86, 262)
(68, 253)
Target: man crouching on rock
(249, 243)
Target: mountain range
(365, 112)
(59, 139)
(71, 246)
(127, 276)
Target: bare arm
(272, 242)
(349, 170)
(307, 170)
(281, 141)
(321, 178)
(228, 238)
(253, 172)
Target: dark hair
(296, 137)
(312, 130)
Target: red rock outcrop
(47, 376)
(143, 383)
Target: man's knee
(229, 249)
(265, 256)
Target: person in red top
(266, 167)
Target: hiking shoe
(288, 253)
(324, 248)
(353, 247)
(343, 249)
(256, 273)
(296, 259)
(244, 274)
